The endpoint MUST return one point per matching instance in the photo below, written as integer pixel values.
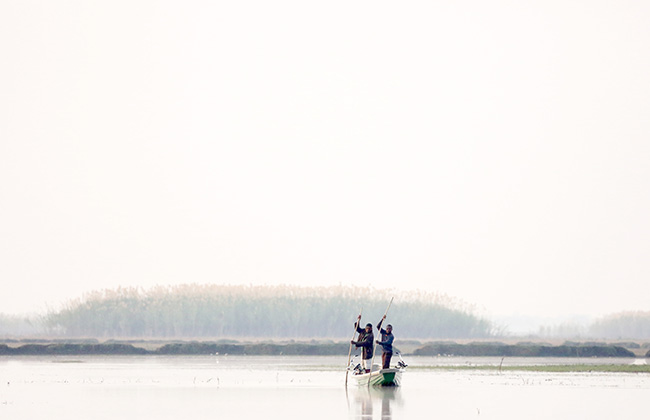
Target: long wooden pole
(356, 325)
(374, 346)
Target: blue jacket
(386, 341)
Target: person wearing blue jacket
(386, 343)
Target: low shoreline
(311, 348)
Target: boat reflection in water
(366, 401)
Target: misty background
(493, 152)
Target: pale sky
(495, 151)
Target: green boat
(379, 377)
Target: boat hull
(383, 377)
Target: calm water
(223, 387)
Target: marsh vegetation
(218, 312)
(241, 311)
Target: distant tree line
(563, 330)
(622, 325)
(261, 312)
(13, 325)
(211, 311)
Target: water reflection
(373, 403)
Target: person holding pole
(347, 371)
(386, 343)
(366, 341)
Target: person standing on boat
(386, 343)
(365, 340)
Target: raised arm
(379, 324)
(356, 325)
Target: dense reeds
(257, 311)
(209, 311)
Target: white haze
(493, 151)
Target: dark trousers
(385, 360)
